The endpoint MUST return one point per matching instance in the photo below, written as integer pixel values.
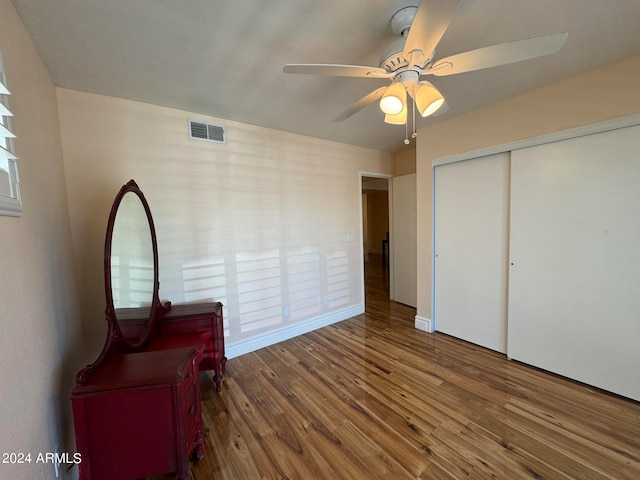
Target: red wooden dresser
(136, 409)
(197, 325)
(139, 415)
(195, 322)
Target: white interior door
(471, 220)
(404, 240)
(574, 288)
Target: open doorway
(377, 261)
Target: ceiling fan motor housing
(402, 20)
(392, 58)
(407, 77)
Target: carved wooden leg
(224, 365)
(199, 450)
(217, 378)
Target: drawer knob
(192, 410)
(190, 375)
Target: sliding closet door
(471, 200)
(574, 286)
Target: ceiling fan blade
(429, 24)
(360, 104)
(496, 55)
(336, 70)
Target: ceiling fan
(409, 59)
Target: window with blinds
(10, 203)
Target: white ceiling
(225, 58)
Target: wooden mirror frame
(115, 342)
(111, 312)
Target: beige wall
(602, 94)
(405, 162)
(40, 329)
(266, 215)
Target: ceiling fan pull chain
(406, 133)
(414, 134)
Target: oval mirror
(131, 267)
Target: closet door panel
(574, 280)
(470, 244)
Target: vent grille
(206, 131)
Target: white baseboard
(241, 347)
(425, 324)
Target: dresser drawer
(190, 405)
(190, 415)
(190, 374)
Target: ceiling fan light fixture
(394, 99)
(433, 108)
(398, 118)
(428, 99)
(391, 105)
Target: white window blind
(10, 203)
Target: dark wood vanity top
(132, 370)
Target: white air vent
(206, 131)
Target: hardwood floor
(372, 397)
